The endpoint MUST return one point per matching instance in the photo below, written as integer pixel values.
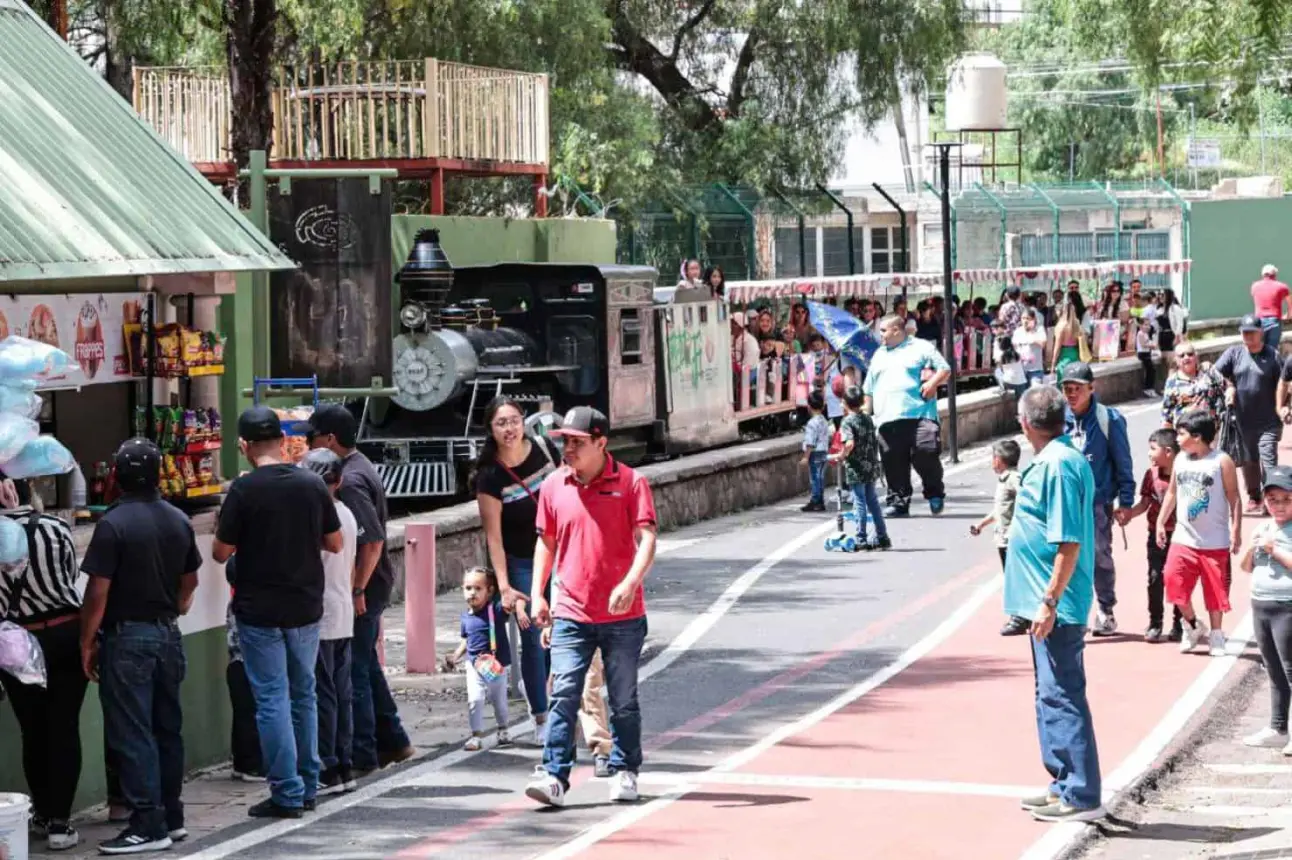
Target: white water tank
(976, 95)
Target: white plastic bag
(13, 543)
(20, 654)
(21, 359)
(20, 400)
(43, 455)
(15, 433)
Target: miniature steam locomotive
(550, 336)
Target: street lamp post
(948, 291)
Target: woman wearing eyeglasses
(510, 470)
(1190, 388)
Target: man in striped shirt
(42, 597)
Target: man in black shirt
(142, 563)
(379, 737)
(1252, 371)
(278, 519)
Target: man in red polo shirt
(596, 521)
(1270, 296)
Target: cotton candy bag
(21, 358)
(43, 455)
(20, 655)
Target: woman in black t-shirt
(510, 470)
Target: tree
(1076, 122)
(251, 39)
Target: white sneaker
(1105, 624)
(1217, 643)
(623, 787)
(1266, 737)
(1192, 636)
(61, 837)
(1287, 750)
(547, 790)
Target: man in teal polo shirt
(1050, 580)
(901, 391)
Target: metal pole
(1260, 112)
(905, 239)
(258, 161)
(948, 334)
(837, 201)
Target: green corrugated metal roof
(87, 189)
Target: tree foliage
(1076, 121)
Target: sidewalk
(1222, 799)
(433, 709)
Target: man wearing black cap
(277, 518)
(596, 525)
(142, 563)
(1010, 315)
(1252, 371)
(1099, 433)
(379, 736)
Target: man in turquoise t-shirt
(901, 391)
(1050, 580)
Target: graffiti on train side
(691, 354)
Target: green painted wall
(207, 721)
(480, 241)
(1230, 241)
(235, 325)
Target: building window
(881, 250)
(630, 336)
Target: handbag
(1231, 440)
(488, 666)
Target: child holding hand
(1162, 450)
(1268, 558)
(1005, 455)
(484, 644)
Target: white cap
(1269, 271)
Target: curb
(1237, 687)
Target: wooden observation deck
(425, 118)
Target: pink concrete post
(419, 597)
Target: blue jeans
(280, 664)
(1272, 331)
(1105, 572)
(376, 718)
(141, 667)
(1063, 722)
(534, 662)
(816, 474)
(335, 684)
(866, 498)
(573, 644)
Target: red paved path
(963, 713)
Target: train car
(550, 336)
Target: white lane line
(1060, 836)
(663, 546)
(843, 783)
(607, 828)
(1231, 811)
(1250, 769)
(670, 655)
(1232, 789)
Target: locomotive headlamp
(412, 315)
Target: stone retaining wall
(714, 483)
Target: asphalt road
(752, 626)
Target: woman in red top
(1270, 295)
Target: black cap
(1013, 292)
(138, 463)
(1249, 322)
(1077, 371)
(259, 424)
(583, 421)
(1278, 478)
(333, 419)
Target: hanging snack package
(188, 472)
(213, 415)
(13, 543)
(217, 348)
(20, 400)
(174, 478)
(206, 470)
(15, 433)
(21, 655)
(196, 427)
(43, 455)
(191, 344)
(23, 359)
(169, 349)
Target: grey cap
(1278, 478)
(1249, 322)
(1077, 371)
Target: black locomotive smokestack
(427, 275)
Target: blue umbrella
(848, 335)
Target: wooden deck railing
(360, 111)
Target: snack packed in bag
(20, 654)
(15, 433)
(43, 455)
(20, 400)
(23, 359)
(13, 543)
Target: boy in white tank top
(1203, 494)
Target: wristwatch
(1050, 601)
(356, 592)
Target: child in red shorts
(1203, 494)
